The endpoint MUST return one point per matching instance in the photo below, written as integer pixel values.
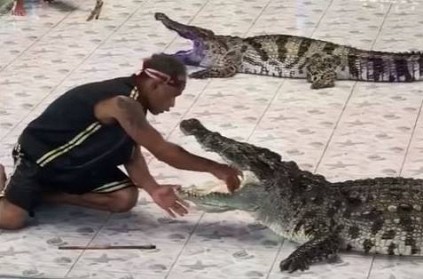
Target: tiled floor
(354, 130)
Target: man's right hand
(165, 197)
(228, 174)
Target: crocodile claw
(292, 264)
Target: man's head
(163, 78)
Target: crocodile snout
(189, 126)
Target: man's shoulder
(117, 81)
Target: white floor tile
(354, 130)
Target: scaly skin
(379, 215)
(320, 62)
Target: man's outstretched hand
(165, 197)
(230, 175)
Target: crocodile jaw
(192, 57)
(206, 200)
(246, 198)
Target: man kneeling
(70, 154)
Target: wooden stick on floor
(108, 247)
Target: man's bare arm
(130, 115)
(164, 196)
(139, 173)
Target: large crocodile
(379, 215)
(320, 62)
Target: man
(70, 153)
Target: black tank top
(68, 137)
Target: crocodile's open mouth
(193, 56)
(205, 199)
(210, 199)
(192, 192)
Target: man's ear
(154, 83)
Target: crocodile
(288, 56)
(381, 215)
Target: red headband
(155, 74)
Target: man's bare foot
(3, 178)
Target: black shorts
(29, 181)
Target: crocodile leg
(315, 250)
(95, 13)
(261, 161)
(228, 67)
(321, 70)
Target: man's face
(164, 95)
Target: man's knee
(124, 200)
(12, 217)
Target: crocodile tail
(385, 66)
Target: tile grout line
(345, 105)
(35, 42)
(321, 18)
(407, 150)
(276, 257)
(88, 244)
(371, 267)
(73, 70)
(279, 86)
(335, 127)
(336, 124)
(257, 18)
(348, 99)
(184, 246)
(381, 26)
(276, 94)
